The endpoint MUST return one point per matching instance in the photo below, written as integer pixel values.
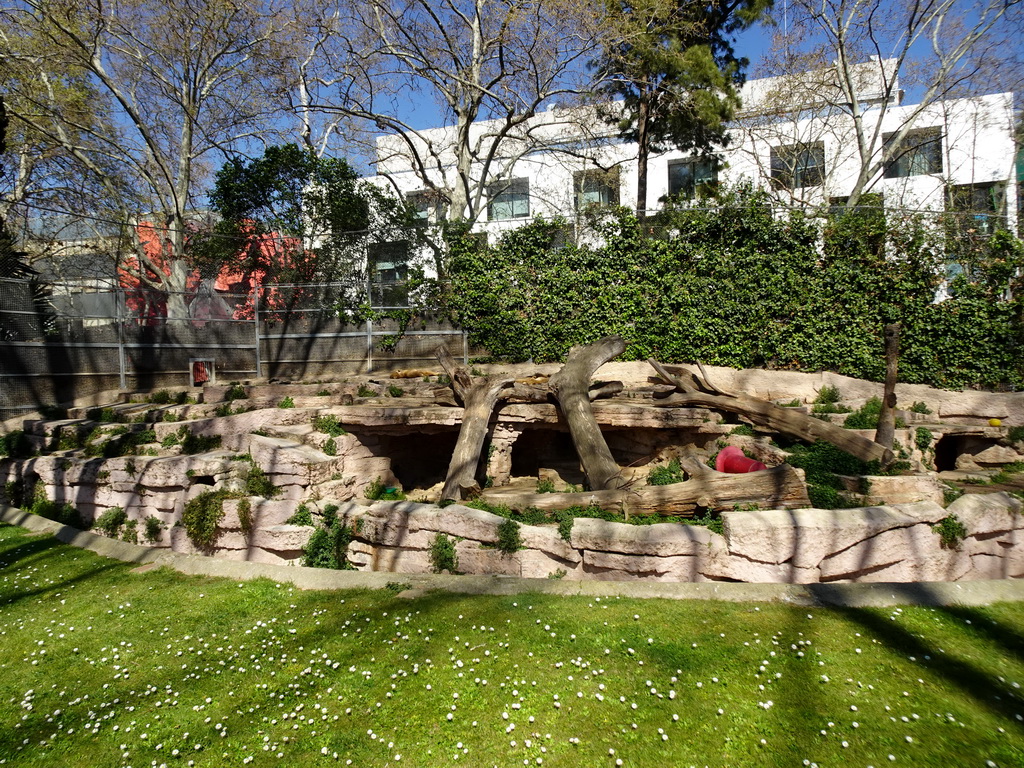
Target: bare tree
(185, 84)
(488, 68)
(848, 62)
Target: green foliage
(376, 491)
(443, 556)
(257, 483)
(395, 391)
(329, 425)
(951, 531)
(709, 519)
(667, 475)
(865, 417)
(59, 512)
(920, 407)
(235, 392)
(323, 393)
(365, 391)
(287, 402)
(923, 438)
(509, 536)
(822, 462)
(302, 516)
(201, 516)
(193, 444)
(743, 429)
(16, 445)
(331, 447)
(827, 395)
(794, 403)
(327, 545)
(131, 532)
(153, 529)
(1015, 434)
(732, 284)
(110, 522)
(950, 494)
(546, 486)
(105, 415)
(245, 515)
(1007, 471)
(160, 397)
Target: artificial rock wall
(888, 543)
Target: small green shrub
(160, 397)
(395, 391)
(131, 532)
(557, 574)
(951, 531)
(710, 520)
(364, 391)
(16, 445)
(376, 491)
(326, 547)
(65, 514)
(919, 407)
(1006, 472)
(245, 515)
(323, 393)
(222, 410)
(287, 402)
(110, 522)
(510, 538)
(923, 438)
(546, 486)
(105, 415)
(193, 444)
(257, 483)
(153, 529)
(331, 447)
(743, 429)
(329, 425)
(235, 392)
(302, 516)
(794, 403)
(443, 556)
(827, 395)
(1015, 434)
(201, 516)
(171, 440)
(182, 398)
(668, 475)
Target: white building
(793, 138)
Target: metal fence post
(121, 361)
(465, 348)
(369, 345)
(256, 329)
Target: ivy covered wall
(737, 285)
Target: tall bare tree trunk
(886, 431)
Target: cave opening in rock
(419, 459)
(549, 449)
(947, 449)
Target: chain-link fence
(61, 342)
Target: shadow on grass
(40, 548)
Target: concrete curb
(414, 585)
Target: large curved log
(480, 400)
(571, 387)
(772, 416)
(781, 487)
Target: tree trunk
(643, 149)
(772, 416)
(476, 416)
(571, 387)
(886, 431)
(781, 487)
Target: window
(595, 188)
(697, 177)
(388, 269)
(426, 206)
(798, 165)
(979, 209)
(920, 152)
(509, 200)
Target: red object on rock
(731, 459)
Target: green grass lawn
(102, 667)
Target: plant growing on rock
(327, 546)
(510, 539)
(153, 529)
(951, 531)
(443, 556)
(329, 425)
(111, 521)
(287, 402)
(667, 475)
(201, 517)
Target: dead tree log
(781, 487)
(571, 387)
(479, 402)
(770, 415)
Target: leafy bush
(323, 393)
(302, 516)
(443, 556)
(329, 425)
(16, 445)
(794, 403)
(201, 516)
(509, 536)
(827, 395)
(331, 447)
(193, 444)
(111, 521)
(919, 407)
(1015, 434)
(287, 402)
(743, 429)
(153, 529)
(667, 475)
(364, 391)
(376, 491)
(326, 547)
(131, 532)
(865, 417)
(257, 483)
(951, 531)
(105, 415)
(235, 392)
(395, 391)
(950, 494)
(546, 486)
(160, 397)
(923, 438)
